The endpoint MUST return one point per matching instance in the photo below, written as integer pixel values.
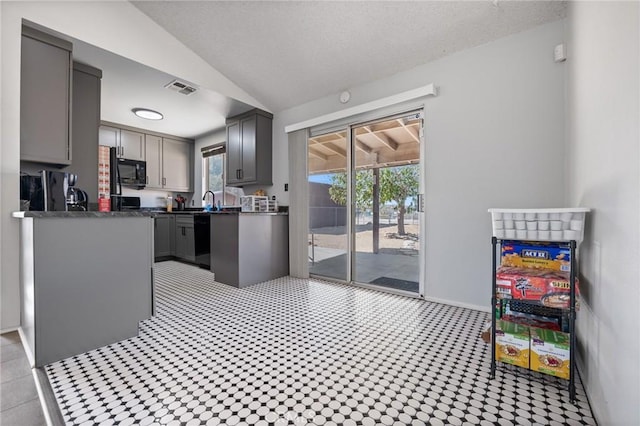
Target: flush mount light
(147, 113)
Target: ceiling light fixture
(147, 113)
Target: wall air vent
(180, 87)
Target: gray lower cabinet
(185, 248)
(249, 248)
(45, 95)
(86, 282)
(164, 236)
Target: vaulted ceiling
(287, 53)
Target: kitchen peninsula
(86, 280)
(242, 248)
(248, 248)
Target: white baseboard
(9, 330)
(43, 403)
(486, 309)
(32, 363)
(27, 349)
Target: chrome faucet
(213, 199)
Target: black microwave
(128, 172)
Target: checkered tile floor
(293, 351)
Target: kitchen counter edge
(45, 215)
(222, 213)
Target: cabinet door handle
(164, 181)
(241, 174)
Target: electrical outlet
(286, 187)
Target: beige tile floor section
(19, 403)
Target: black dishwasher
(202, 233)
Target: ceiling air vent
(180, 87)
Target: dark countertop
(39, 214)
(135, 213)
(237, 213)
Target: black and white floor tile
(295, 351)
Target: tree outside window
(398, 185)
(214, 180)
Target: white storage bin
(570, 223)
(268, 205)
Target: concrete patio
(399, 264)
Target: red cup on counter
(104, 204)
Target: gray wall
(603, 162)
(495, 138)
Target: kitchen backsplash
(152, 198)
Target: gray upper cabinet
(248, 135)
(109, 136)
(153, 155)
(176, 165)
(45, 98)
(234, 153)
(85, 123)
(169, 160)
(249, 149)
(132, 145)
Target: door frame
(371, 118)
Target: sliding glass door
(328, 220)
(365, 186)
